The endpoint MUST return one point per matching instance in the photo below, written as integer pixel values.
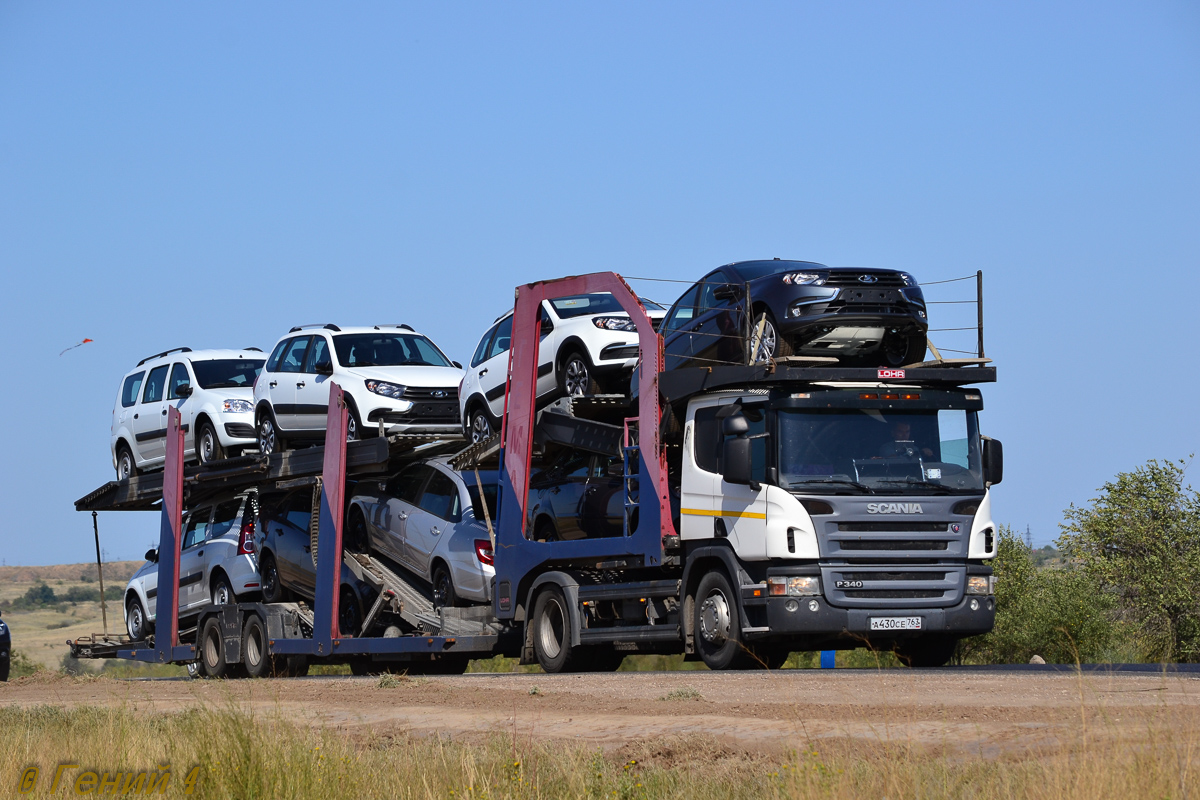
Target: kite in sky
(72, 347)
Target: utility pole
(100, 574)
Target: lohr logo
(894, 508)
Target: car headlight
(981, 584)
(236, 406)
(909, 280)
(614, 323)
(392, 390)
(803, 278)
(797, 586)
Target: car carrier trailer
(721, 557)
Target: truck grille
(895, 594)
(890, 545)
(889, 527)
(862, 586)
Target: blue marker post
(828, 659)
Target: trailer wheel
(212, 648)
(255, 645)
(718, 629)
(552, 631)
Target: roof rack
(255, 349)
(401, 325)
(329, 326)
(164, 353)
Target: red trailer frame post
(329, 531)
(166, 636)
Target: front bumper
(777, 616)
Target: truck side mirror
(152, 555)
(993, 461)
(183, 390)
(735, 460)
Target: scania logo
(438, 393)
(894, 508)
(867, 279)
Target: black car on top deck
(864, 317)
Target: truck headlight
(615, 324)
(236, 406)
(392, 390)
(797, 586)
(981, 584)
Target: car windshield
(879, 451)
(387, 350)
(227, 373)
(490, 491)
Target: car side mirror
(455, 363)
(323, 367)
(547, 326)
(727, 292)
(183, 390)
(152, 555)
(993, 461)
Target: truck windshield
(226, 373)
(838, 451)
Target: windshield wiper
(839, 481)
(929, 484)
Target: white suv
(212, 390)
(587, 341)
(390, 374)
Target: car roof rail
(329, 326)
(165, 353)
(404, 326)
(255, 349)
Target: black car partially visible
(5, 650)
(753, 311)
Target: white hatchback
(213, 390)
(393, 377)
(587, 343)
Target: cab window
(196, 529)
(130, 389)
(155, 384)
(708, 440)
(179, 377)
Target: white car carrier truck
(768, 508)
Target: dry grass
(266, 757)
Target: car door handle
(164, 412)
(135, 416)
(401, 516)
(200, 553)
(482, 372)
(299, 384)
(435, 531)
(696, 327)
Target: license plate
(895, 623)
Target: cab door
(150, 418)
(744, 509)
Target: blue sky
(212, 175)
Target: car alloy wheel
(481, 427)
(764, 345)
(268, 439)
(576, 377)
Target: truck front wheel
(552, 631)
(717, 627)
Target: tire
(272, 589)
(899, 351)
(718, 630)
(208, 446)
(598, 659)
(357, 538)
(136, 621)
(222, 592)
(926, 651)
(772, 345)
(4, 665)
(478, 426)
(126, 466)
(444, 595)
(258, 662)
(295, 667)
(365, 666)
(575, 379)
(354, 430)
(350, 617)
(545, 531)
(212, 649)
(552, 631)
(445, 665)
(270, 440)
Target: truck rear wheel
(717, 628)
(552, 631)
(926, 651)
(212, 649)
(259, 662)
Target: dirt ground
(980, 712)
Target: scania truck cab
(847, 514)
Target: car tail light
(246, 541)
(483, 551)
